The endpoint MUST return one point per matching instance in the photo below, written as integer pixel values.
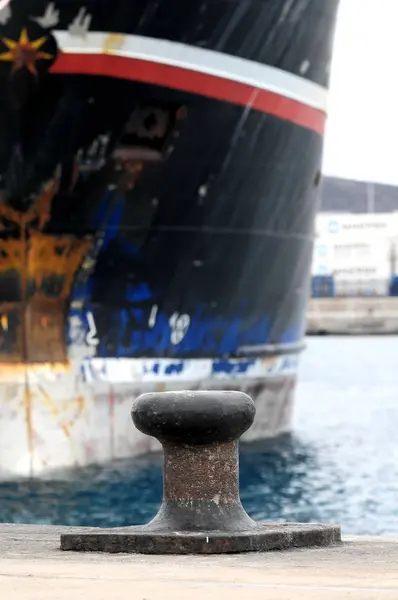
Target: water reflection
(277, 483)
(125, 493)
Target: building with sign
(355, 258)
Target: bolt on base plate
(141, 540)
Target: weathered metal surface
(201, 511)
(267, 537)
(166, 162)
(155, 201)
(79, 417)
(42, 268)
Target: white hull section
(53, 419)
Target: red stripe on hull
(193, 82)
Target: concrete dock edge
(33, 567)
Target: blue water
(340, 465)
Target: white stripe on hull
(151, 370)
(209, 62)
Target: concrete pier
(356, 316)
(33, 567)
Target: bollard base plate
(141, 540)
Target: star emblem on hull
(24, 52)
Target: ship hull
(77, 425)
(159, 181)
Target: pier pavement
(32, 567)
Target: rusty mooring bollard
(201, 512)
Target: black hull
(167, 218)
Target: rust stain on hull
(113, 42)
(38, 214)
(43, 267)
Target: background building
(356, 240)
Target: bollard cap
(199, 417)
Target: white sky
(362, 130)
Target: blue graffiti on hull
(171, 368)
(232, 368)
(129, 334)
(228, 367)
(134, 331)
(175, 369)
(138, 293)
